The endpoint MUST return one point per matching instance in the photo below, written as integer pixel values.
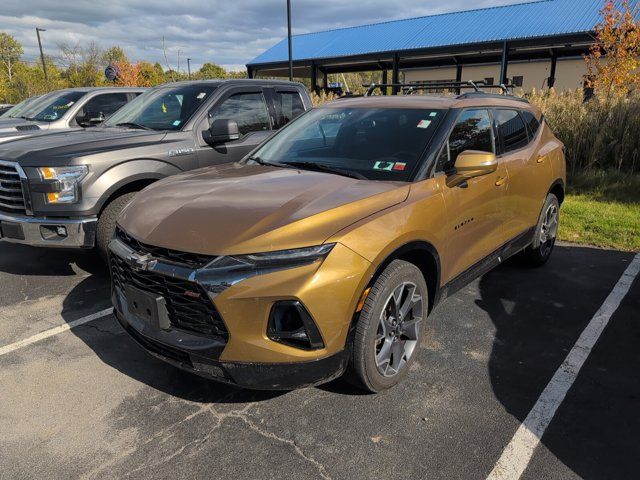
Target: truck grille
(191, 260)
(11, 195)
(188, 305)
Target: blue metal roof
(512, 22)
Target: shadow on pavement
(538, 315)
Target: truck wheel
(388, 331)
(107, 222)
(545, 235)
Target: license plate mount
(150, 308)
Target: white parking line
(518, 453)
(53, 331)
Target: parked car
(324, 250)
(5, 107)
(73, 108)
(66, 189)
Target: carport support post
(395, 74)
(385, 79)
(314, 78)
(325, 81)
(505, 63)
(458, 75)
(249, 72)
(551, 81)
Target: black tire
(539, 252)
(364, 370)
(107, 222)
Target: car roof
(231, 81)
(101, 89)
(436, 102)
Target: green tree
(114, 54)
(210, 70)
(10, 53)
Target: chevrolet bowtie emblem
(140, 262)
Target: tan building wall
(569, 73)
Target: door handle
(500, 181)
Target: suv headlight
(225, 272)
(67, 178)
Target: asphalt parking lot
(89, 403)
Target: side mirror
(471, 164)
(221, 131)
(90, 119)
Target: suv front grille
(11, 195)
(188, 305)
(191, 260)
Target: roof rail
(409, 88)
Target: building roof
(546, 18)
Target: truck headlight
(67, 178)
(226, 271)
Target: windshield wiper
(264, 162)
(133, 125)
(326, 169)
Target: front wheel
(107, 222)
(544, 240)
(389, 328)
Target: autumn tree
(114, 54)
(10, 53)
(613, 61)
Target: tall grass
(600, 134)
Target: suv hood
(59, 148)
(239, 209)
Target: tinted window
(290, 106)
(512, 130)
(375, 143)
(532, 123)
(248, 109)
(106, 104)
(472, 131)
(163, 108)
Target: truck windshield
(14, 111)
(163, 108)
(371, 143)
(51, 107)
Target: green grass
(602, 209)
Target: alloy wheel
(549, 230)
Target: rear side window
(472, 131)
(249, 110)
(290, 106)
(512, 130)
(532, 123)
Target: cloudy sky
(227, 32)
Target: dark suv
(67, 189)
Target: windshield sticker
(433, 114)
(201, 95)
(164, 108)
(176, 123)
(424, 123)
(390, 166)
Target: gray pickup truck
(71, 108)
(66, 189)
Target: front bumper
(43, 232)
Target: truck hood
(61, 147)
(18, 127)
(239, 209)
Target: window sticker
(433, 114)
(390, 166)
(176, 123)
(424, 123)
(201, 95)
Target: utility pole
(289, 37)
(44, 65)
(189, 67)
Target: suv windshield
(371, 143)
(52, 107)
(164, 108)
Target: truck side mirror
(90, 119)
(222, 130)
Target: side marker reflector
(363, 299)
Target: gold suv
(323, 252)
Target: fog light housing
(53, 232)
(291, 324)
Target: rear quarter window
(512, 130)
(533, 124)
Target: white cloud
(226, 32)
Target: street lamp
(44, 65)
(189, 67)
(289, 38)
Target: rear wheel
(546, 232)
(107, 222)
(389, 328)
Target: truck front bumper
(48, 232)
